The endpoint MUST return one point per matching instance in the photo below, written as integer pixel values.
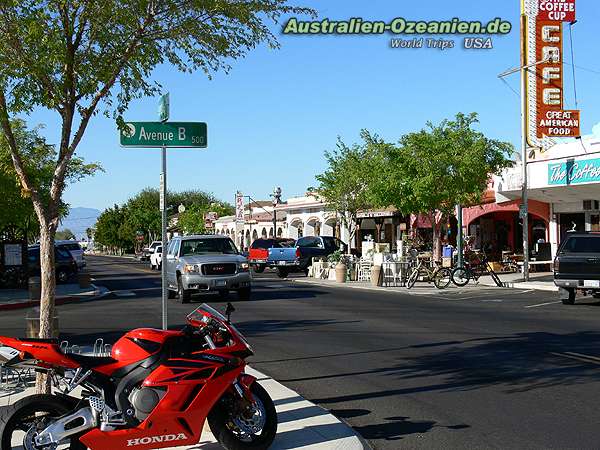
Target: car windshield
(202, 246)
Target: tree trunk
(48, 278)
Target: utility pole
(276, 200)
(524, 210)
(459, 237)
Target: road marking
(124, 293)
(542, 304)
(578, 357)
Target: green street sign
(168, 134)
(163, 107)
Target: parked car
(74, 248)
(259, 251)
(147, 251)
(203, 263)
(66, 266)
(299, 258)
(156, 258)
(577, 266)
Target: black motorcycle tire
(12, 416)
(462, 274)
(219, 418)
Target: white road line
(542, 304)
(595, 358)
(586, 359)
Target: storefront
(381, 226)
(568, 180)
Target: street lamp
(276, 200)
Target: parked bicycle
(473, 269)
(441, 276)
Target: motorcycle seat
(90, 362)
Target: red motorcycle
(155, 390)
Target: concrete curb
(99, 292)
(301, 424)
(506, 285)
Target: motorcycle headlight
(244, 267)
(191, 268)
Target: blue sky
(272, 117)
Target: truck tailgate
(285, 254)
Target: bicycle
(473, 270)
(441, 276)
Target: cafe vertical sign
(545, 57)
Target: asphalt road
(478, 368)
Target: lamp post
(276, 200)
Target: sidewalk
(539, 281)
(302, 424)
(65, 293)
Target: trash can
(34, 285)
(84, 279)
(32, 320)
(376, 276)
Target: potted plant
(337, 259)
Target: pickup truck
(577, 266)
(299, 258)
(204, 263)
(258, 256)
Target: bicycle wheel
(442, 278)
(412, 278)
(460, 276)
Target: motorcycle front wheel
(239, 426)
(19, 423)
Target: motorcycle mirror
(228, 311)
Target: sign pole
(525, 208)
(459, 236)
(163, 265)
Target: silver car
(203, 263)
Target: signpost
(164, 135)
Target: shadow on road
(518, 363)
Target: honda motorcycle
(155, 390)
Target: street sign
(162, 192)
(169, 134)
(522, 211)
(163, 107)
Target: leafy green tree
(65, 234)
(16, 207)
(432, 170)
(192, 220)
(78, 58)
(344, 186)
(89, 232)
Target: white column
(553, 231)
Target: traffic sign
(163, 107)
(168, 134)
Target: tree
(89, 232)
(433, 170)
(71, 56)
(65, 235)
(16, 207)
(344, 186)
(191, 221)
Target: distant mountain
(80, 219)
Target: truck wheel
(282, 272)
(183, 294)
(223, 294)
(568, 299)
(259, 268)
